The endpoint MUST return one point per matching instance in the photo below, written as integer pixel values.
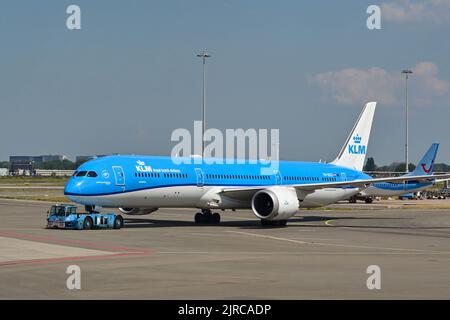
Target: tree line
(50, 165)
(400, 166)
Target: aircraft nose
(73, 188)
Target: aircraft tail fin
(425, 166)
(353, 152)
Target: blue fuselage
(117, 181)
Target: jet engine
(137, 211)
(276, 203)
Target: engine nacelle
(137, 211)
(276, 203)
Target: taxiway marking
(335, 244)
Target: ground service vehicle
(65, 216)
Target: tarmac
(321, 254)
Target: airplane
(140, 185)
(387, 189)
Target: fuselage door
(119, 175)
(343, 176)
(278, 179)
(200, 177)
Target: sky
(130, 75)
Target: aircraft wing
(246, 193)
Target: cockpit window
(75, 173)
(81, 173)
(92, 174)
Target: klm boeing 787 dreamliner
(142, 184)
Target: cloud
(415, 11)
(356, 86)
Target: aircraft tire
(216, 218)
(198, 217)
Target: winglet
(353, 152)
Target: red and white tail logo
(424, 167)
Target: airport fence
(54, 173)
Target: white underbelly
(324, 197)
(378, 192)
(178, 196)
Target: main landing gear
(207, 217)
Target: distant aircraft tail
(353, 152)
(425, 166)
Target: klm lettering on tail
(354, 151)
(356, 147)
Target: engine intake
(277, 203)
(137, 211)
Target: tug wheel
(87, 224)
(118, 222)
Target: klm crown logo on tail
(353, 152)
(356, 147)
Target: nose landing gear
(207, 217)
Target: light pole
(406, 73)
(204, 55)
